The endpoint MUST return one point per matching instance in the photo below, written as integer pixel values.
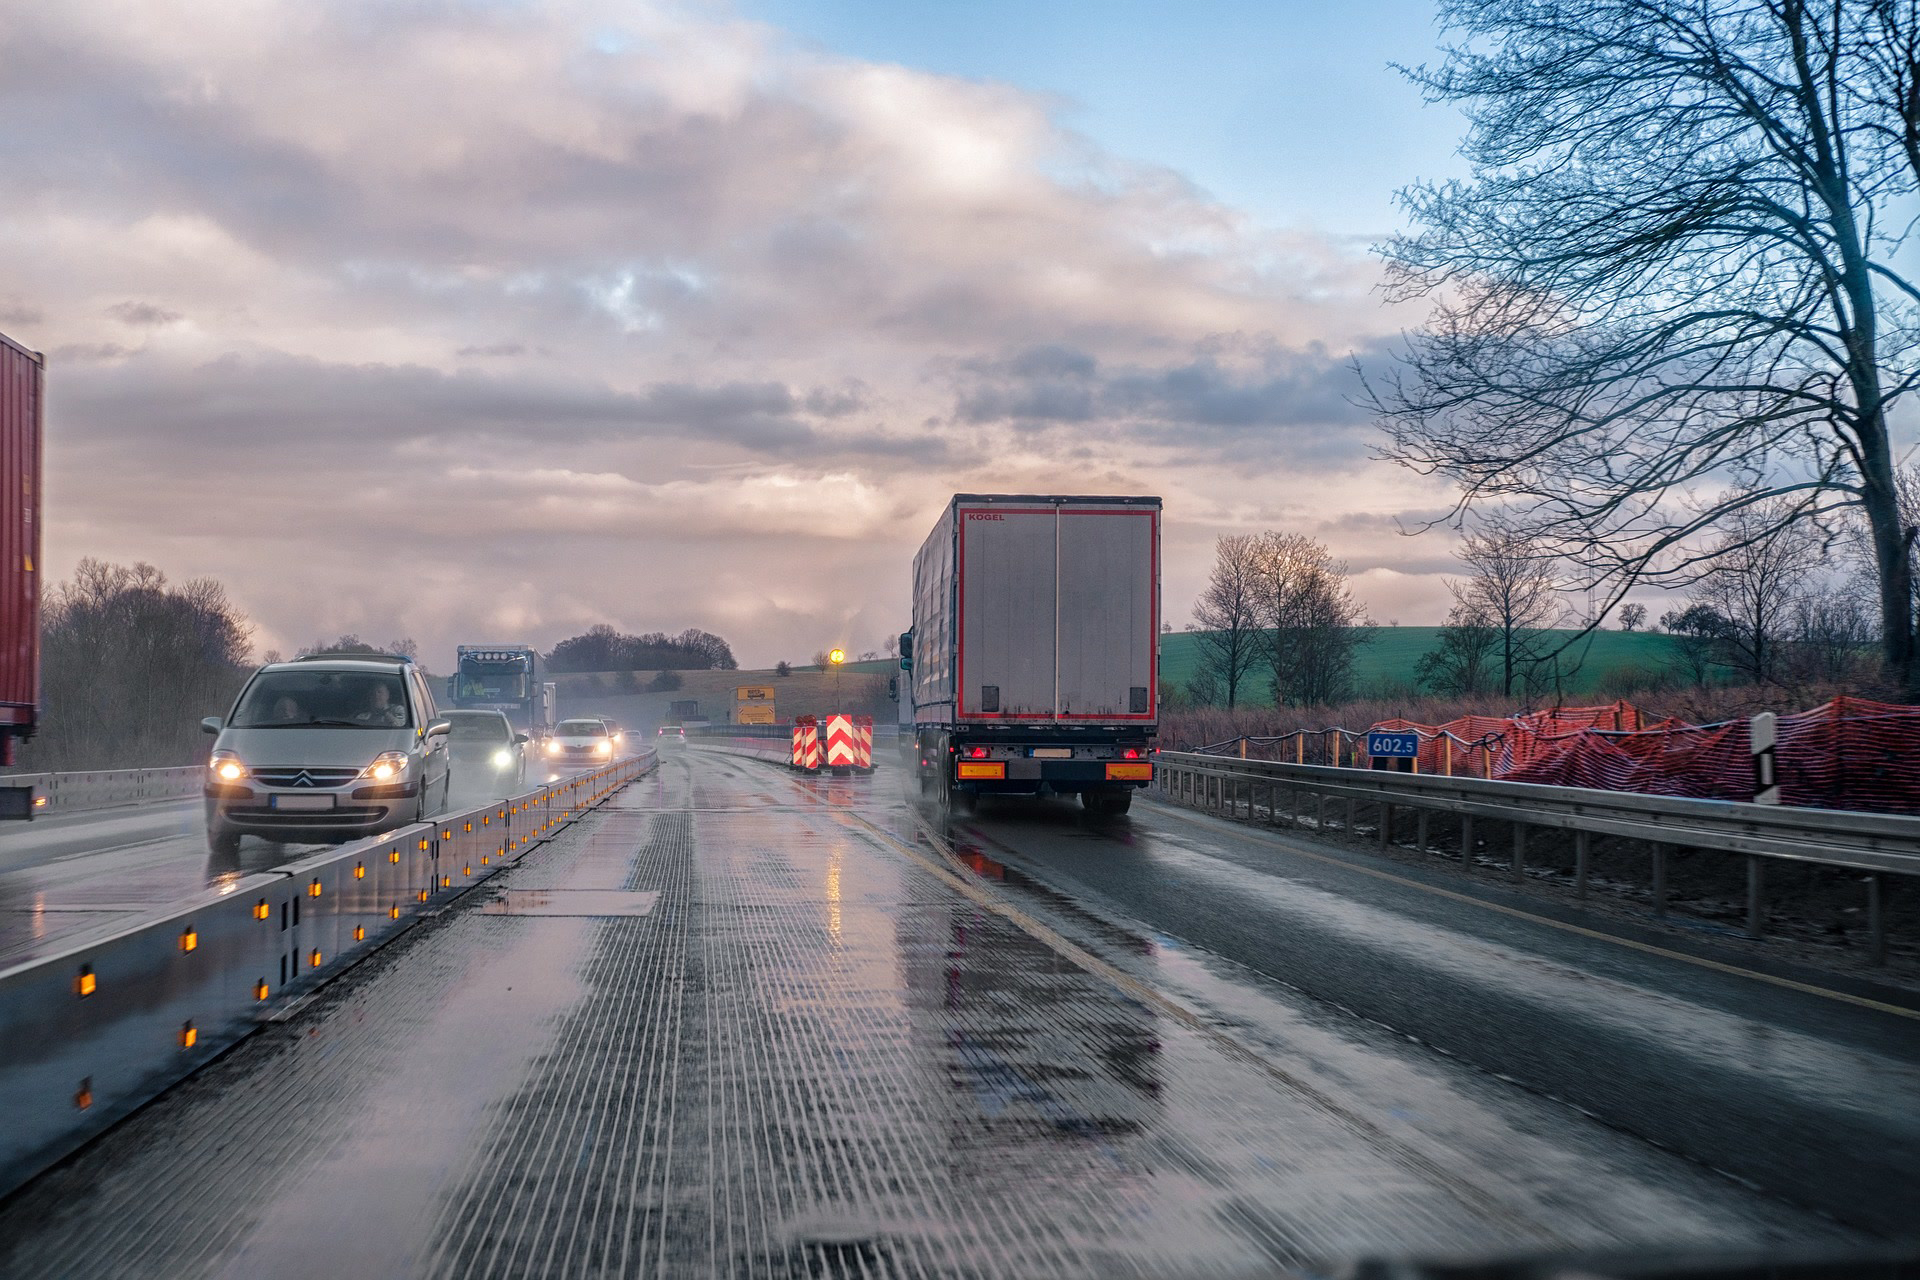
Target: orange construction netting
(1847, 754)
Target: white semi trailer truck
(1035, 649)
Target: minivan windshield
(581, 729)
(332, 699)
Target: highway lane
(69, 875)
(1806, 1092)
(736, 1022)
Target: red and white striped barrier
(841, 752)
(863, 743)
(806, 743)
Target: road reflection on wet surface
(818, 1033)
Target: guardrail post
(1582, 853)
(1320, 811)
(1386, 825)
(1756, 895)
(1466, 842)
(1876, 921)
(1420, 829)
(1660, 879)
(1352, 829)
(1519, 851)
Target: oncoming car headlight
(553, 746)
(386, 766)
(502, 758)
(226, 767)
(603, 748)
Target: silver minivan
(326, 748)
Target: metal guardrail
(106, 788)
(95, 1029)
(1872, 843)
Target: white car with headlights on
(580, 741)
(326, 748)
(489, 758)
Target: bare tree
(1463, 662)
(1670, 290)
(1831, 634)
(1227, 630)
(1513, 590)
(1633, 617)
(1699, 632)
(131, 664)
(1760, 567)
(1315, 622)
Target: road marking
(1649, 948)
(1449, 1181)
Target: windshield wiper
(346, 724)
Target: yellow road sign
(754, 693)
(757, 713)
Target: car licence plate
(300, 802)
(1052, 753)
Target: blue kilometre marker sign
(1380, 743)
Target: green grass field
(1385, 665)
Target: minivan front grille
(305, 777)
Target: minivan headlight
(386, 766)
(502, 758)
(226, 767)
(603, 748)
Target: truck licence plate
(300, 802)
(1052, 753)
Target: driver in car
(381, 709)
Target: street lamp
(834, 658)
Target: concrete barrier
(95, 1030)
(107, 788)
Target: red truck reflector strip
(1130, 773)
(970, 771)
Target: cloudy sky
(488, 321)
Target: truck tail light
(976, 753)
(1131, 753)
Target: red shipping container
(22, 406)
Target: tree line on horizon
(1780, 607)
(602, 648)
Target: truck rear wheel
(1108, 804)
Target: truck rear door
(1109, 612)
(1007, 612)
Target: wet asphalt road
(1805, 1093)
(739, 1023)
(69, 876)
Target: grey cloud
(1227, 393)
(494, 350)
(17, 313)
(256, 402)
(90, 352)
(143, 315)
